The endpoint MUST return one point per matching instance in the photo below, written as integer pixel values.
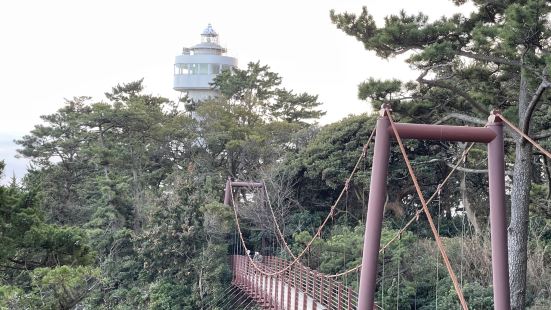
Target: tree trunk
(471, 214)
(520, 199)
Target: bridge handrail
(329, 293)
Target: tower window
(193, 68)
(203, 69)
(215, 68)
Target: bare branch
(542, 134)
(544, 85)
(470, 170)
(476, 120)
(548, 174)
(462, 117)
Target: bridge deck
(298, 288)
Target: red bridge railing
(299, 287)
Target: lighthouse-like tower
(195, 69)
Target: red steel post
(246, 184)
(496, 175)
(443, 132)
(377, 196)
(227, 194)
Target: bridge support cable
(229, 198)
(225, 293)
(331, 213)
(492, 135)
(497, 114)
(415, 217)
(439, 242)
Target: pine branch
(438, 83)
(489, 58)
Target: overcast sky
(51, 50)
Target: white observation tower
(196, 68)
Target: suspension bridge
(271, 282)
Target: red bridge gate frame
(492, 135)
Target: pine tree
(497, 57)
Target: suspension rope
(233, 295)
(278, 229)
(241, 298)
(439, 242)
(383, 281)
(415, 216)
(225, 293)
(436, 253)
(525, 136)
(398, 282)
(332, 210)
(320, 228)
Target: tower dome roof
(209, 31)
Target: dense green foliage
(496, 57)
(121, 207)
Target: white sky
(51, 50)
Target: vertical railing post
(255, 282)
(304, 277)
(271, 292)
(243, 273)
(330, 295)
(296, 285)
(288, 286)
(314, 304)
(282, 296)
(264, 288)
(276, 287)
(339, 298)
(321, 287)
(313, 273)
(246, 269)
(496, 176)
(349, 299)
(377, 197)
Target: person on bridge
(257, 257)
